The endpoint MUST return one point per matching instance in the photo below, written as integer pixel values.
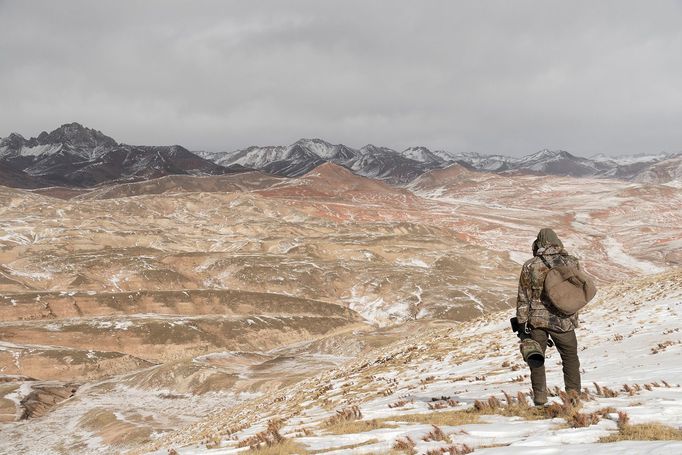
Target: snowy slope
(631, 356)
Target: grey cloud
(483, 76)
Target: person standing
(539, 320)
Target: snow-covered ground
(630, 339)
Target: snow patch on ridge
(615, 252)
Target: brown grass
(452, 418)
(451, 450)
(344, 415)
(357, 426)
(267, 439)
(405, 444)
(400, 403)
(568, 409)
(442, 402)
(436, 434)
(644, 432)
(286, 447)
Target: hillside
(132, 310)
(631, 352)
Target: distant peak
(72, 125)
(314, 140)
(546, 153)
(77, 135)
(14, 140)
(374, 148)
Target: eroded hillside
(132, 310)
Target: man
(541, 321)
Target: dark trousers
(567, 345)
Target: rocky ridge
(73, 155)
(400, 167)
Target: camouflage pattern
(531, 306)
(531, 350)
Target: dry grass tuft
(344, 415)
(317, 393)
(268, 438)
(444, 402)
(603, 391)
(662, 346)
(580, 419)
(462, 449)
(400, 403)
(597, 387)
(405, 444)
(286, 447)
(437, 405)
(609, 393)
(623, 419)
(513, 407)
(303, 431)
(436, 434)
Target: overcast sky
(509, 77)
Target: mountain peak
(545, 154)
(371, 148)
(13, 141)
(77, 135)
(313, 140)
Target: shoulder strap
(546, 262)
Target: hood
(547, 242)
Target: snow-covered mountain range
(73, 155)
(400, 167)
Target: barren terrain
(140, 307)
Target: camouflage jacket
(531, 305)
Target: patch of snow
(615, 252)
(413, 262)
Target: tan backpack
(567, 288)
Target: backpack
(567, 288)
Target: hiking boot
(539, 403)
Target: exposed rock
(44, 397)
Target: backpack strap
(546, 262)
